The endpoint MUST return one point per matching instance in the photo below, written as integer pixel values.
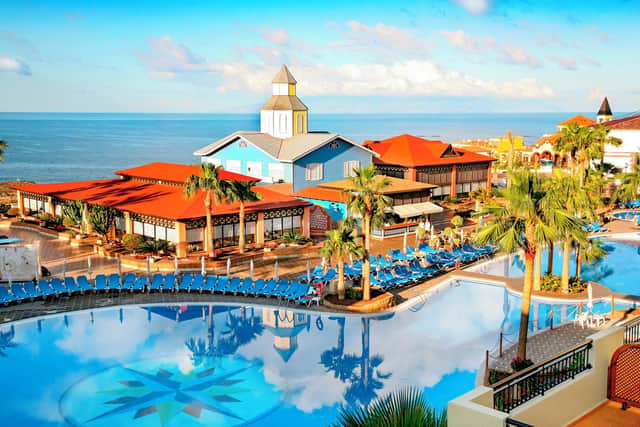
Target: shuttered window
(349, 166)
(314, 172)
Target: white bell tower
(283, 115)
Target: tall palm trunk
(537, 271)
(208, 235)
(566, 258)
(341, 336)
(366, 264)
(550, 259)
(340, 278)
(582, 172)
(529, 256)
(578, 263)
(365, 351)
(241, 225)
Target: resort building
(544, 150)
(285, 150)
(453, 171)
(624, 157)
(150, 202)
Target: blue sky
(374, 56)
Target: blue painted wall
(250, 153)
(337, 210)
(333, 160)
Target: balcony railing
(632, 331)
(534, 381)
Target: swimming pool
(627, 215)
(196, 365)
(618, 270)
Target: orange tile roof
(396, 185)
(551, 139)
(164, 201)
(321, 193)
(627, 123)
(579, 119)
(411, 151)
(173, 172)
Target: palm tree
(565, 192)
(406, 407)
(3, 148)
(629, 186)
(341, 243)
(365, 200)
(214, 188)
(523, 221)
(241, 192)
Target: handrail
(524, 385)
(516, 423)
(632, 331)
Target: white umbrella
(228, 267)
(589, 296)
(64, 268)
(309, 271)
(462, 237)
(38, 269)
(275, 270)
(203, 267)
(119, 263)
(89, 265)
(323, 262)
(404, 240)
(148, 266)
(175, 264)
(251, 269)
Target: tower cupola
(604, 113)
(284, 115)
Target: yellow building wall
(292, 89)
(296, 114)
(503, 145)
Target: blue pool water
(618, 270)
(230, 365)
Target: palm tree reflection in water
(6, 340)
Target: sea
(58, 147)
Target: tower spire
(604, 113)
(283, 115)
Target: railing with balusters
(632, 331)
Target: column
(306, 222)
(454, 181)
(181, 243)
(128, 223)
(260, 229)
(52, 206)
(20, 198)
(411, 174)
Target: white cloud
(567, 63)
(278, 36)
(519, 55)
(13, 65)
(475, 7)
(382, 35)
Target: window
(274, 228)
(276, 171)
(283, 123)
(229, 234)
(300, 125)
(234, 166)
(334, 145)
(214, 161)
(349, 166)
(254, 169)
(314, 172)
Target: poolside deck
(609, 414)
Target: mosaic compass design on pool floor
(162, 392)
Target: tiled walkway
(610, 414)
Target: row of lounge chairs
(594, 227)
(631, 204)
(283, 290)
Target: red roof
(173, 172)
(579, 120)
(627, 123)
(411, 151)
(320, 193)
(164, 201)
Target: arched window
(283, 123)
(300, 126)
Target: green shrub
(68, 222)
(44, 216)
(553, 283)
(73, 211)
(155, 246)
(4, 208)
(102, 218)
(294, 237)
(457, 221)
(132, 242)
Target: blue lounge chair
(310, 297)
(295, 291)
(185, 283)
(247, 283)
(221, 284)
(403, 271)
(281, 289)
(46, 288)
(140, 284)
(209, 284)
(128, 282)
(114, 282)
(32, 290)
(156, 283)
(169, 283)
(84, 284)
(268, 288)
(396, 255)
(101, 283)
(234, 284)
(6, 297)
(198, 282)
(19, 292)
(57, 286)
(71, 285)
(255, 288)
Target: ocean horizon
(53, 147)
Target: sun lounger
(234, 284)
(255, 288)
(268, 288)
(19, 292)
(32, 290)
(140, 284)
(46, 288)
(101, 283)
(6, 297)
(281, 289)
(185, 283)
(71, 285)
(57, 286)
(114, 282)
(197, 283)
(128, 282)
(169, 283)
(156, 283)
(84, 284)
(247, 283)
(209, 284)
(221, 284)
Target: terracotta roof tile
(173, 172)
(580, 120)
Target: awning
(416, 209)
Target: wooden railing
(535, 380)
